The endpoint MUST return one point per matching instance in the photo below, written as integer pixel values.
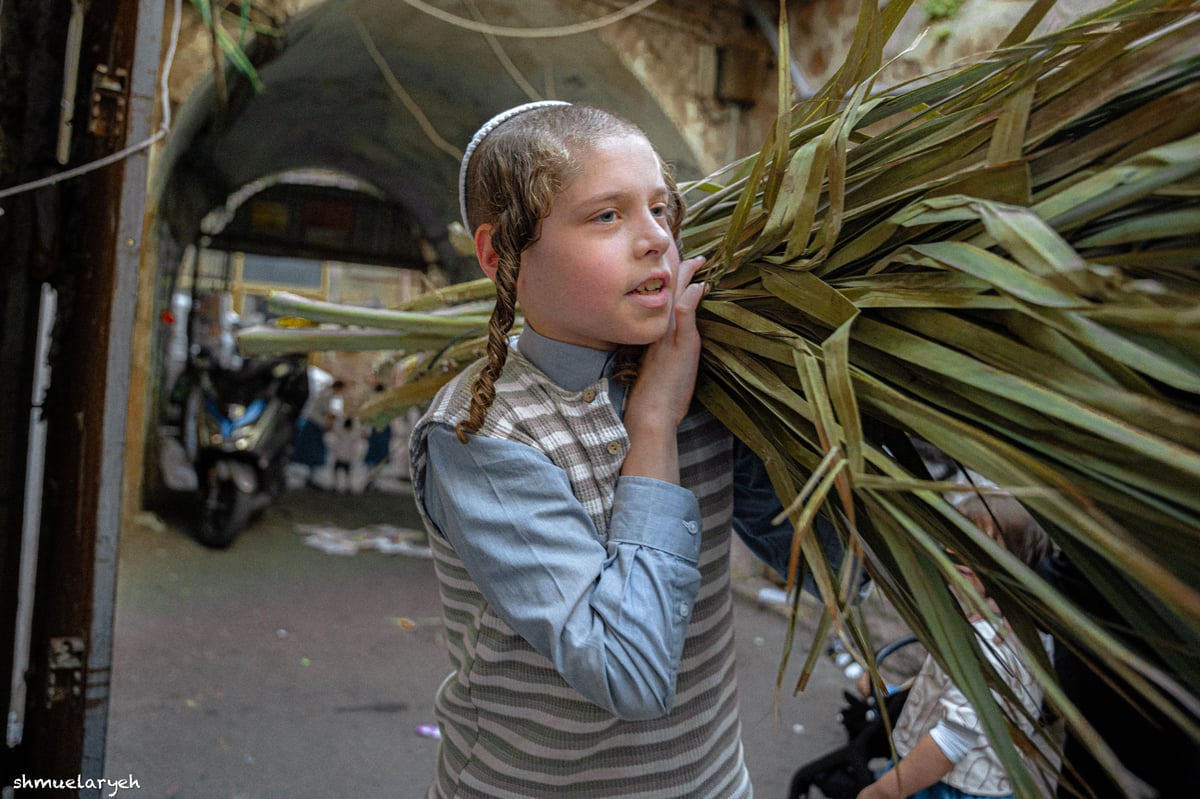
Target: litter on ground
(384, 538)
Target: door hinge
(64, 669)
(106, 117)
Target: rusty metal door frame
(143, 96)
(98, 225)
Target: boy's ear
(489, 262)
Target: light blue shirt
(611, 618)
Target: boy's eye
(606, 216)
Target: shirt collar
(571, 366)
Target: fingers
(668, 375)
(687, 270)
(687, 293)
(689, 299)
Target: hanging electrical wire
(398, 88)
(163, 128)
(532, 33)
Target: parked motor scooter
(245, 423)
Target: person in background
(345, 440)
(943, 751)
(1151, 745)
(316, 419)
(379, 449)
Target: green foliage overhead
(937, 10)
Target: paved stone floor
(277, 668)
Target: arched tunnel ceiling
(327, 104)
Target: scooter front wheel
(224, 512)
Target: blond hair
(510, 177)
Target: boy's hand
(662, 394)
(669, 367)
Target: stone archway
(387, 96)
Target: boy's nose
(656, 238)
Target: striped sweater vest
(511, 726)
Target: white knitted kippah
(479, 136)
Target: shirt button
(589, 394)
(691, 526)
(614, 447)
(684, 610)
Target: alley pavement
(302, 661)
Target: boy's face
(602, 273)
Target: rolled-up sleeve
(610, 615)
(755, 506)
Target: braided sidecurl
(483, 392)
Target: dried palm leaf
(1000, 261)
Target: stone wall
(678, 53)
(924, 42)
(712, 66)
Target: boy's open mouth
(652, 286)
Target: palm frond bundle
(1001, 262)
(432, 337)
